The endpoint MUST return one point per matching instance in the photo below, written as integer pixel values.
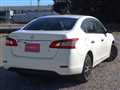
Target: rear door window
(88, 26)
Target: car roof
(66, 16)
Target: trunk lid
(29, 40)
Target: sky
(24, 2)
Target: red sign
(32, 47)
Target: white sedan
(64, 44)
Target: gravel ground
(106, 76)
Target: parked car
(64, 44)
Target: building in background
(24, 14)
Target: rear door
(100, 30)
(93, 39)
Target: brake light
(11, 42)
(64, 44)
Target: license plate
(32, 47)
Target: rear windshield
(51, 24)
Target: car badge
(32, 37)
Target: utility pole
(38, 3)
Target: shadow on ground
(13, 81)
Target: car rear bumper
(57, 70)
(44, 72)
(64, 63)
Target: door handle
(92, 42)
(102, 40)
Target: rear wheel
(87, 69)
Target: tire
(113, 53)
(87, 70)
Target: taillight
(11, 42)
(64, 44)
